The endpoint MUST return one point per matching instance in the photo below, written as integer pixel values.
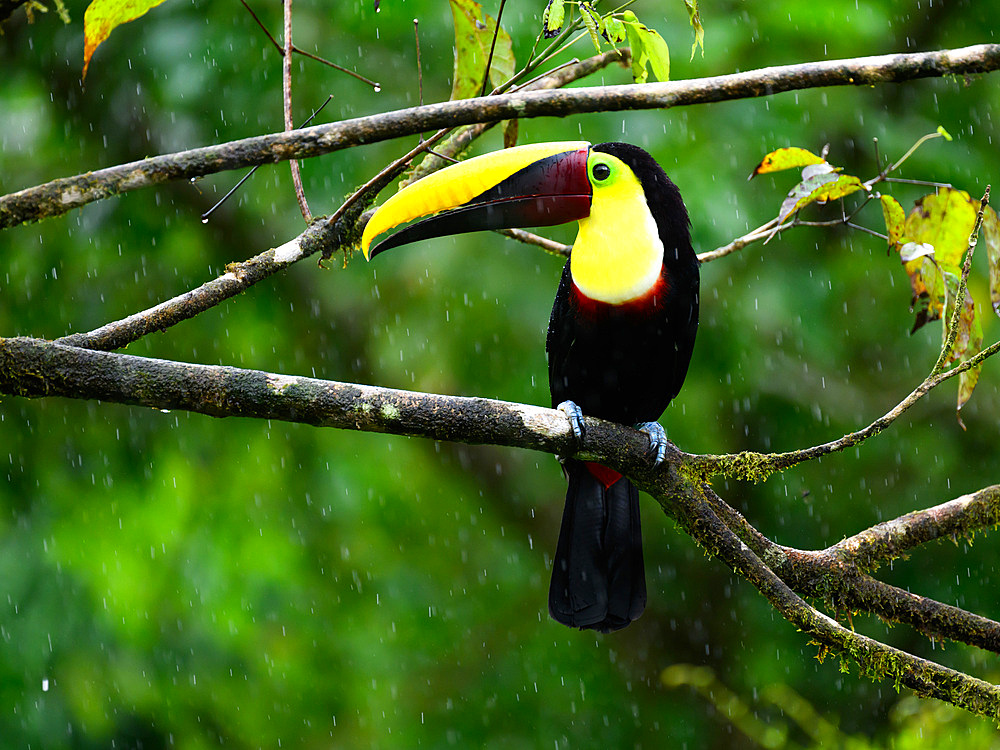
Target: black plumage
(624, 363)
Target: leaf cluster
(933, 242)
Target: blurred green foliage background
(173, 580)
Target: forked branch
(33, 368)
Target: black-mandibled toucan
(620, 335)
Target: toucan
(620, 335)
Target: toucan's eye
(601, 172)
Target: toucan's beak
(536, 185)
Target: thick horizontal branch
(35, 368)
(58, 197)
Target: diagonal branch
(837, 574)
(34, 368)
(325, 235)
(65, 194)
(876, 660)
(286, 101)
(759, 466)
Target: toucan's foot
(657, 439)
(575, 416)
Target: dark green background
(178, 580)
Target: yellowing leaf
(944, 220)
(473, 39)
(894, 219)
(103, 16)
(819, 188)
(648, 50)
(786, 158)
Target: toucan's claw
(575, 416)
(657, 439)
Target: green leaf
(553, 18)
(648, 50)
(592, 20)
(614, 30)
(473, 38)
(699, 31)
(104, 16)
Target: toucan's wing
(560, 337)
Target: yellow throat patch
(617, 255)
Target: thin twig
(420, 73)
(754, 235)
(758, 466)
(63, 195)
(286, 88)
(529, 238)
(493, 44)
(277, 45)
(325, 236)
(234, 188)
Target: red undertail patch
(603, 474)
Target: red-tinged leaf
(927, 283)
(895, 218)
(968, 338)
(510, 133)
(945, 220)
(820, 188)
(991, 236)
(104, 16)
(786, 158)
(473, 38)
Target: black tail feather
(598, 577)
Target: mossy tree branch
(33, 368)
(63, 195)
